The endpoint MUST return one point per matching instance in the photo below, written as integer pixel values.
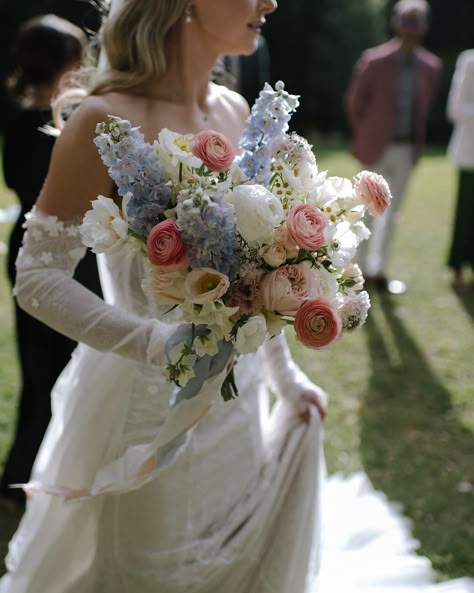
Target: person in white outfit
(461, 152)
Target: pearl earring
(189, 13)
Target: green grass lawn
(401, 390)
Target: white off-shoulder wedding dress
(132, 496)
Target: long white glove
(286, 378)
(46, 289)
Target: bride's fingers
(312, 398)
(231, 364)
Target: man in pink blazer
(387, 104)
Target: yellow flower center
(182, 142)
(207, 283)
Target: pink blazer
(371, 98)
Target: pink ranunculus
(165, 247)
(214, 150)
(317, 323)
(305, 226)
(373, 191)
(287, 287)
(203, 285)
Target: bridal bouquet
(242, 245)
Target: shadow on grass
(413, 446)
(467, 301)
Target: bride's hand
(309, 399)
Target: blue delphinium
(268, 119)
(207, 226)
(135, 167)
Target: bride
(129, 495)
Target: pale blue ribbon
(206, 367)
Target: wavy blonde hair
(134, 38)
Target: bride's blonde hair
(134, 38)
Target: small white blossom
(353, 309)
(251, 335)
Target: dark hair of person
(44, 48)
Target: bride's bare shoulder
(231, 102)
(96, 108)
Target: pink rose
(214, 150)
(373, 191)
(165, 247)
(286, 288)
(317, 323)
(203, 285)
(305, 226)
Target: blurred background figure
(387, 104)
(461, 153)
(46, 48)
(249, 73)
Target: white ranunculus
(258, 213)
(251, 335)
(104, 228)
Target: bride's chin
(249, 47)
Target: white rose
(251, 335)
(104, 227)
(258, 212)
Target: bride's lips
(256, 26)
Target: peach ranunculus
(373, 191)
(214, 150)
(204, 285)
(165, 247)
(165, 287)
(317, 323)
(274, 255)
(286, 288)
(305, 226)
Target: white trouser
(395, 165)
